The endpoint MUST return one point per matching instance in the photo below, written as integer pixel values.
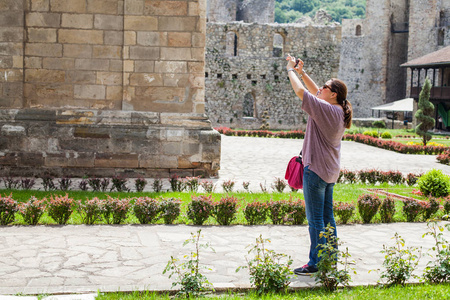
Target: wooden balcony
(438, 93)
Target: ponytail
(341, 91)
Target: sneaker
(305, 270)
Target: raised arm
(297, 85)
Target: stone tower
(104, 87)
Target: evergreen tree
(424, 114)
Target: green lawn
(410, 292)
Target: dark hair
(339, 87)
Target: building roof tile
(440, 57)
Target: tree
(424, 114)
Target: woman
(329, 114)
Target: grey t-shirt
(324, 131)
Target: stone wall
(109, 86)
(248, 11)
(239, 89)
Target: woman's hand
(292, 64)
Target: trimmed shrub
(256, 213)
(411, 178)
(430, 208)
(140, 183)
(208, 186)
(146, 209)
(434, 183)
(296, 212)
(192, 184)
(8, 209)
(115, 210)
(60, 208)
(277, 211)
(32, 210)
(387, 210)
(176, 184)
(368, 205)
(386, 135)
(119, 183)
(90, 211)
(228, 186)
(446, 206)
(170, 209)
(199, 209)
(349, 176)
(344, 211)
(412, 209)
(225, 210)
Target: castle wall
(255, 74)
(248, 11)
(109, 86)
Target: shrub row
(149, 210)
(374, 176)
(394, 146)
(201, 208)
(369, 205)
(292, 134)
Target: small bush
(225, 210)
(170, 209)
(65, 183)
(83, 185)
(386, 135)
(94, 183)
(344, 211)
(387, 210)
(192, 184)
(228, 186)
(412, 209)
(269, 271)
(47, 182)
(32, 210)
(27, 183)
(104, 184)
(368, 205)
(146, 209)
(446, 206)
(438, 271)
(379, 124)
(256, 213)
(8, 209)
(176, 184)
(434, 183)
(277, 211)
(395, 177)
(60, 208)
(11, 183)
(119, 183)
(411, 178)
(90, 211)
(279, 185)
(157, 185)
(296, 212)
(140, 183)
(430, 208)
(114, 210)
(208, 186)
(199, 209)
(350, 176)
(373, 176)
(245, 185)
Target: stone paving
(85, 259)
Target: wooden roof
(437, 58)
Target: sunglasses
(328, 87)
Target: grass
(410, 292)
(342, 193)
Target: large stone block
(78, 21)
(116, 160)
(89, 92)
(74, 6)
(92, 64)
(11, 34)
(42, 35)
(143, 79)
(37, 19)
(107, 52)
(104, 6)
(42, 49)
(145, 53)
(179, 39)
(177, 24)
(108, 22)
(11, 19)
(42, 75)
(143, 23)
(78, 51)
(145, 38)
(166, 8)
(58, 63)
(77, 36)
(174, 54)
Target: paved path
(84, 259)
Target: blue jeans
(319, 210)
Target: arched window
(248, 105)
(278, 43)
(232, 42)
(358, 30)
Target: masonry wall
(255, 75)
(248, 11)
(103, 87)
